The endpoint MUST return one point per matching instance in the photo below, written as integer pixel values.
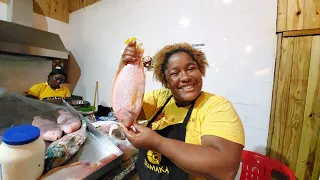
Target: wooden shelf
(305, 32)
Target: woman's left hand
(143, 138)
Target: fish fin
(35, 120)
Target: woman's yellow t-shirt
(212, 115)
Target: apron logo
(154, 157)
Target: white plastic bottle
(22, 153)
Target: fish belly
(70, 125)
(128, 93)
(67, 122)
(48, 129)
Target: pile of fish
(66, 135)
(51, 131)
(128, 89)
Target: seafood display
(48, 129)
(83, 144)
(78, 170)
(60, 151)
(68, 122)
(128, 90)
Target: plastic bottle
(112, 116)
(22, 153)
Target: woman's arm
(215, 158)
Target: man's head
(56, 77)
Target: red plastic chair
(257, 166)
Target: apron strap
(188, 115)
(160, 110)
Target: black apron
(152, 165)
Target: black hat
(57, 71)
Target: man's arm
(34, 91)
(31, 96)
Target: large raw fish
(48, 129)
(60, 151)
(78, 170)
(68, 122)
(128, 91)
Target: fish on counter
(117, 136)
(68, 122)
(116, 132)
(78, 170)
(48, 129)
(113, 130)
(60, 151)
(128, 89)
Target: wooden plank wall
(311, 118)
(295, 115)
(298, 15)
(56, 9)
(294, 128)
(75, 5)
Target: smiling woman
(190, 134)
(51, 90)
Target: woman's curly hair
(162, 56)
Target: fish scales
(128, 91)
(60, 151)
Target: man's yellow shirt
(43, 90)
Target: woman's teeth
(187, 87)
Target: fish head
(55, 156)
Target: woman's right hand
(131, 53)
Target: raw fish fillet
(48, 129)
(60, 151)
(128, 91)
(67, 122)
(78, 170)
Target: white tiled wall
(54, 26)
(239, 37)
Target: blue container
(20, 135)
